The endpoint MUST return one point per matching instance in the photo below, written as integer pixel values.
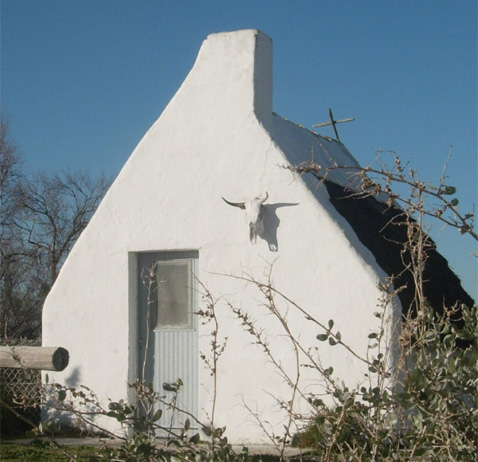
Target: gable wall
(168, 197)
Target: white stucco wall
(217, 137)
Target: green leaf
(373, 335)
(157, 415)
(322, 337)
(392, 419)
(187, 424)
(420, 451)
(331, 323)
(430, 335)
(332, 342)
(448, 190)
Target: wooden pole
(44, 358)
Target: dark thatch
(383, 231)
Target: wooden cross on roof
(333, 123)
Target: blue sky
(82, 81)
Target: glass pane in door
(174, 287)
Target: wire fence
(21, 390)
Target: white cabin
(218, 137)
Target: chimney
(233, 72)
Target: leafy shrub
(431, 413)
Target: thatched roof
(382, 230)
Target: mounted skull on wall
(254, 215)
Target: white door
(168, 333)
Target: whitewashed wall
(217, 137)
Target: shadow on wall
(73, 380)
(271, 223)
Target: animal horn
(241, 205)
(265, 198)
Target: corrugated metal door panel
(176, 353)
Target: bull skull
(254, 215)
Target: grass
(44, 451)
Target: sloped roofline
(383, 230)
